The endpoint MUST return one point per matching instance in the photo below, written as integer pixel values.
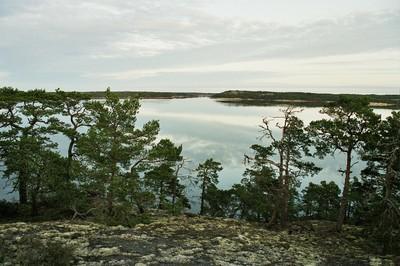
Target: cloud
(3, 75)
(177, 44)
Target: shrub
(32, 251)
(8, 209)
(121, 215)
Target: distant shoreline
(261, 98)
(150, 94)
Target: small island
(262, 98)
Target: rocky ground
(194, 241)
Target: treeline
(149, 94)
(115, 172)
(264, 98)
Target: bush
(386, 231)
(8, 209)
(176, 209)
(32, 251)
(121, 215)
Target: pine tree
(290, 147)
(113, 149)
(207, 178)
(26, 120)
(351, 122)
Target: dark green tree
(72, 106)
(164, 179)
(363, 199)
(254, 198)
(383, 155)
(47, 182)
(26, 120)
(382, 176)
(114, 149)
(321, 201)
(207, 178)
(284, 156)
(351, 122)
(220, 202)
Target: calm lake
(207, 128)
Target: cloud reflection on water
(207, 129)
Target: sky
(206, 46)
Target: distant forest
(263, 98)
(115, 172)
(302, 98)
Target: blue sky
(314, 45)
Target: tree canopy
(116, 172)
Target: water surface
(207, 128)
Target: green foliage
(220, 202)
(34, 252)
(114, 172)
(382, 151)
(112, 150)
(8, 209)
(382, 178)
(178, 206)
(276, 167)
(104, 168)
(73, 106)
(386, 227)
(258, 194)
(255, 199)
(207, 178)
(26, 150)
(352, 122)
(121, 215)
(321, 201)
(164, 179)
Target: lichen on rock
(191, 241)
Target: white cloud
(177, 44)
(374, 69)
(3, 75)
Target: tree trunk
(285, 203)
(138, 205)
(162, 198)
(273, 218)
(242, 211)
(174, 194)
(109, 203)
(203, 193)
(22, 189)
(285, 192)
(69, 158)
(344, 199)
(23, 176)
(388, 186)
(110, 196)
(391, 173)
(34, 206)
(279, 205)
(140, 208)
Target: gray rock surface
(186, 240)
